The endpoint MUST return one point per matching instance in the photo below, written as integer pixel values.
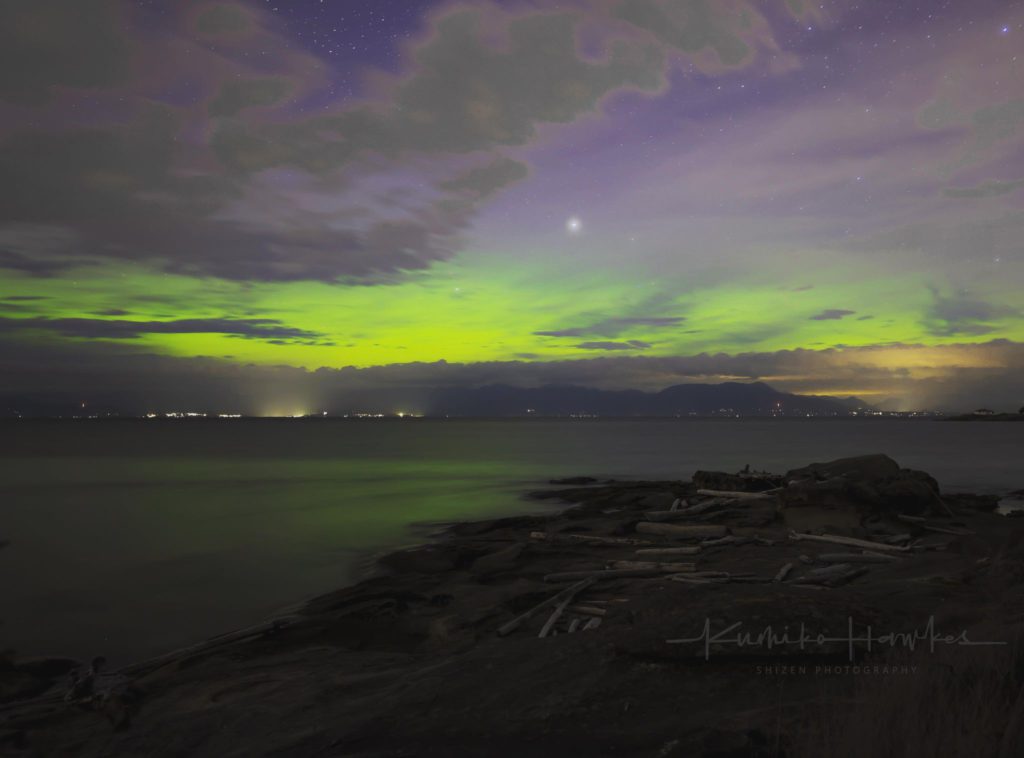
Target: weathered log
(857, 558)
(596, 574)
(674, 567)
(592, 624)
(587, 610)
(676, 504)
(727, 540)
(568, 592)
(894, 539)
(805, 559)
(555, 615)
(206, 646)
(923, 524)
(827, 571)
(833, 576)
(734, 540)
(673, 515)
(669, 550)
(586, 538)
(783, 573)
(707, 505)
(573, 624)
(849, 541)
(691, 511)
(733, 495)
(690, 579)
(687, 532)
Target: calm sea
(128, 538)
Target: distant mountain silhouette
(728, 398)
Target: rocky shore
(836, 609)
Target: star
(573, 225)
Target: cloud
(692, 25)
(997, 122)
(239, 94)
(463, 95)
(831, 314)
(77, 44)
(630, 345)
(985, 189)
(38, 250)
(113, 312)
(964, 239)
(613, 327)
(481, 182)
(117, 329)
(140, 187)
(224, 19)
(960, 313)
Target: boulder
(862, 468)
(863, 483)
(744, 481)
(657, 501)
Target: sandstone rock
(657, 501)
(864, 468)
(423, 560)
(501, 560)
(867, 482)
(744, 481)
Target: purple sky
(824, 196)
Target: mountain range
(726, 399)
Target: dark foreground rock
(411, 662)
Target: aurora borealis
(265, 205)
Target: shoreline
(369, 648)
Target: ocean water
(129, 538)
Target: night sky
(263, 206)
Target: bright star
(573, 225)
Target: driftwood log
(596, 574)
(732, 495)
(857, 558)
(568, 592)
(555, 615)
(734, 540)
(691, 579)
(669, 566)
(587, 610)
(589, 539)
(669, 550)
(832, 576)
(848, 541)
(783, 573)
(924, 524)
(700, 531)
